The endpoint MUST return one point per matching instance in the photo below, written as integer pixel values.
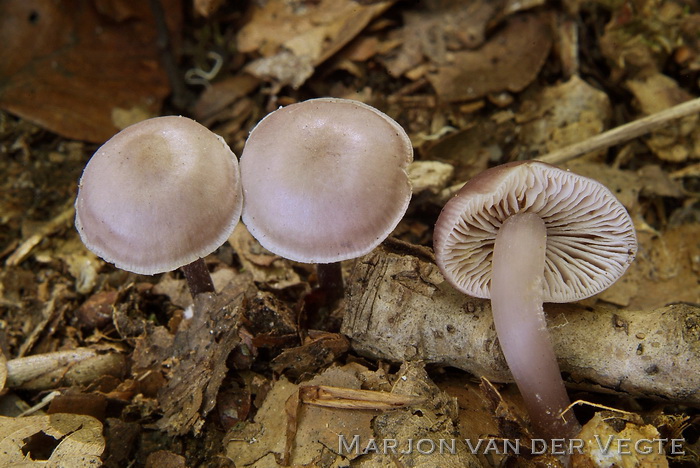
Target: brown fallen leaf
(630, 446)
(476, 415)
(435, 28)
(69, 66)
(223, 94)
(665, 271)
(165, 459)
(294, 41)
(511, 423)
(312, 434)
(276, 272)
(434, 420)
(306, 433)
(79, 437)
(73, 402)
(640, 37)
(562, 114)
(678, 141)
(268, 316)
(121, 437)
(508, 61)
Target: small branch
(622, 133)
(64, 218)
(79, 366)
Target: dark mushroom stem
(198, 278)
(164, 44)
(516, 300)
(330, 281)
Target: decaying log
(399, 308)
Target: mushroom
(522, 234)
(160, 195)
(324, 181)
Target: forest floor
(106, 367)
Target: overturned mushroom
(159, 195)
(522, 234)
(325, 180)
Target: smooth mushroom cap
(590, 237)
(325, 180)
(159, 195)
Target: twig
(64, 218)
(78, 366)
(622, 133)
(43, 403)
(164, 44)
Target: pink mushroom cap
(159, 195)
(591, 239)
(325, 180)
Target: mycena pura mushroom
(522, 234)
(160, 195)
(325, 180)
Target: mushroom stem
(330, 281)
(516, 300)
(198, 278)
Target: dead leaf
(471, 149)
(121, 437)
(431, 176)
(434, 29)
(664, 268)
(266, 267)
(79, 439)
(433, 420)
(68, 66)
(640, 36)
(657, 182)
(293, 41)
(561, 115)
(476, 415)
(266, 315)
(676, 142)
(165, 459)
(222, 94)
(317, 428)
(623, 450)
(509, 61)
(72, 402)
(265, 437)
